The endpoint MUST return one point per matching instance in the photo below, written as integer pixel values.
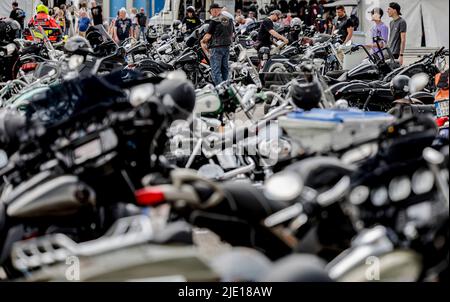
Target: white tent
(434, 13)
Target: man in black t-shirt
(217, 42)
(267, 31)
(142, 21)
(191, 21)
(122, 29)
(97, 13)
(18, 14)
(343, 24)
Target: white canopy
(343, 2)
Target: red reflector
(441, 121)
(149, 196)
(28, 66)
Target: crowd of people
(217, 41)
(73, 20)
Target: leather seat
(335, 74)
(379, 84)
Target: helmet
(306, 95)
(190, 9)
(78, 45)
(296, 22)
(254, 35)
(9, 30)
(183, 95)
(165, 37)
(177, 24)
(41, 8)
(400, 86)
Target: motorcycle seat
(335, 74)
(379, 84)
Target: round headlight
(399, 188)
(379, 196)
(422, 182)
(359, 195)
(284, 186)
(75, 61)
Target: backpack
(20, 13)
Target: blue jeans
(220, 57)
(142, 32)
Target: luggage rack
(48, 250)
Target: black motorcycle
(74, 164)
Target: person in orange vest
(42, 18)
(442, 84)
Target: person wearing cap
(379, 30)
(216, 43)
(267, 31)
(398, 29)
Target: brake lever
(181, 176)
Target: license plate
(441, 108)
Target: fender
(423, 96)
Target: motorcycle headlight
(379, 196)
(284, 186)
(400, 188)
(359, 195)
(422, 182)
(75, 61)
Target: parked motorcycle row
(116, 157)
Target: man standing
(122, 28)
(97, 13)
(18, 14)
(267, 31)
(379, 30)
(343, 24)
(216, 43)
(397, 37)
(142, 22)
